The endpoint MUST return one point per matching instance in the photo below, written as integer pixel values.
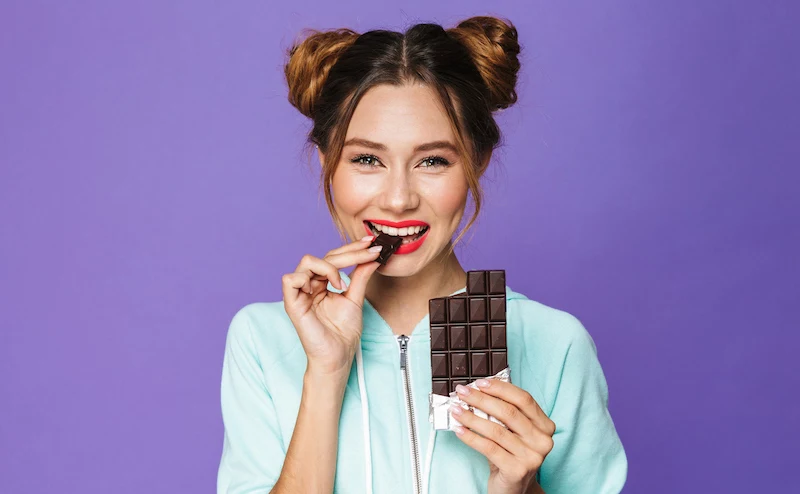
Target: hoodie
(550, 354)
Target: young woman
(313, 395)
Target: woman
(404, 130)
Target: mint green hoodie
(550, 354)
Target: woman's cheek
(353, 193)
(448, 200)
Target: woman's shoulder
(544, 323)
(265, 327)
(547, 340)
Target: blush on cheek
(450, 202)
(352, 193)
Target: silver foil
(440, 415)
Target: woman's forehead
(400, 116)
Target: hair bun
(494, 48)
(309, 63)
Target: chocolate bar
(468, 332)
(389, 243)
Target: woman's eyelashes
(361, 159)
(371, 161)
(436, 161)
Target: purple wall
(152, 183)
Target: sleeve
(252, 451)
(587, 455)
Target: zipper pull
(403, 347)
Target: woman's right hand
(329, 324)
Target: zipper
(412, 428)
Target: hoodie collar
(376, 329)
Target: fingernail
(368, 237)
(376, 248)
(462, 390)
(460, 430)
(456, 410)
(483, 383)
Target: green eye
(435, 162)
(366, 160)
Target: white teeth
(397, 232)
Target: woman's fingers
(354, 258)
(358, 282)
(491, 430)
(328, 268)
(501, 410)
(318, 268)
(357, 245)
(317, 272)
(509, 394)
(490, 449)
(293, 283)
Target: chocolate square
(389, 244)
(478, 337)
(437, 309)
(499, 361)
(477, 309)
(498, 336)
(438, 337)
(457, 309)
(458, 337)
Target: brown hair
(473, 67)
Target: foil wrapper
(440, 416)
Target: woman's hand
(329, 324)
(515, 454)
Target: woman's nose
(399, 194)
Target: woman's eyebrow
(428, 146)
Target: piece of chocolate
(468, 332)
(389, 243)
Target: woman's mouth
(413, 235)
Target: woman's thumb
(358, 282)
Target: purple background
(152, 182)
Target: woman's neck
(403, 301)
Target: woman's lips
(405, 248)
(399, 224)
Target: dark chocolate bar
(468, 332)
(389, 243)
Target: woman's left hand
(516, 453)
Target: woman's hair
(472, 67)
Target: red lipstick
(399, 224)
(404, 248)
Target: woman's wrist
(326, 384)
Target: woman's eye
(366, 160)
(371, 161)
(435, 162)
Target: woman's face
(400, 173)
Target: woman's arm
(588, 456)
(255, 455)
(310, 462)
